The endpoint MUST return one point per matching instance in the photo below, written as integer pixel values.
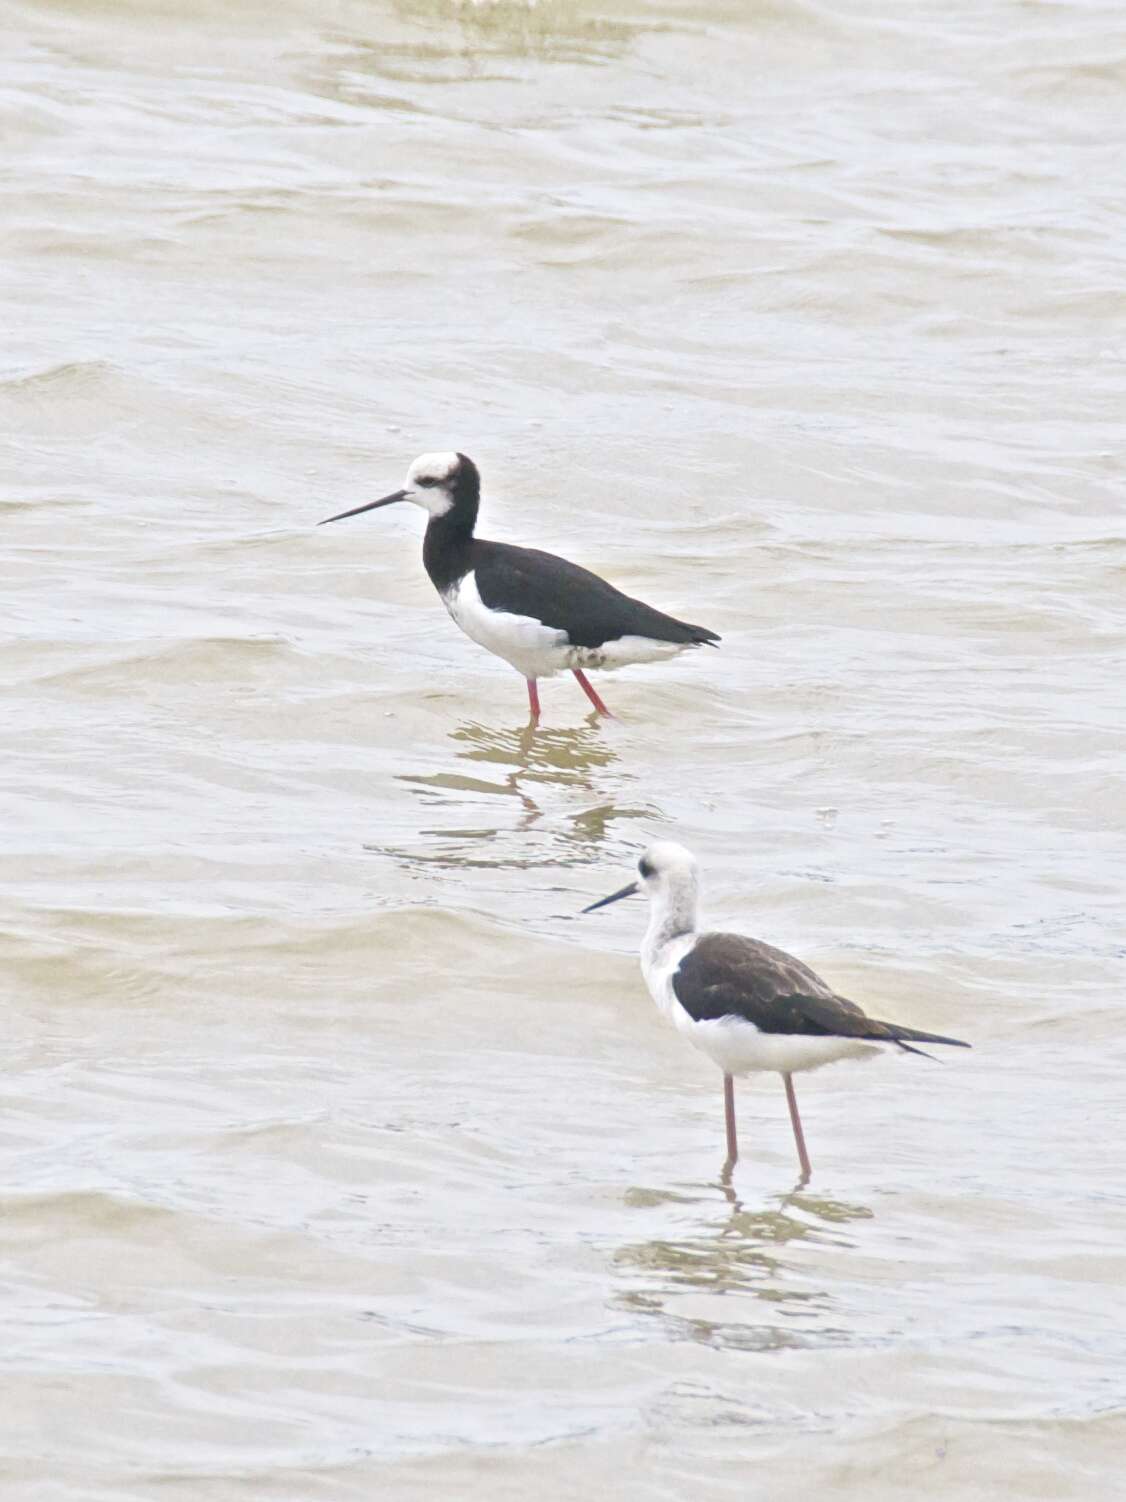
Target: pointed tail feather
(907, 1048)
(900, 1035)
(698, 636)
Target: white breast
(532, 648)
(659, 963)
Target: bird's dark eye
(426, 480)
(645, 870)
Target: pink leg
(533, 701)
(799, 1135)
(585, 685)
(729, 1120)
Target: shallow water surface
(342, 1158)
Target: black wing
(726, 975)
(571, 599)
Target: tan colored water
(341, 1160)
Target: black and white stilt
(539, 612)
(749, 1007)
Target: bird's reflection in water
(739, 1255)
(542, 769)
(564, 756)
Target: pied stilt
(539, 612)
(748, 1006)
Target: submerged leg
(533, 701)
(795, 1120)
(729, 1121)
(585, 685)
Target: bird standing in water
(539, 612)
(748, 1006)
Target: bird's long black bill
(613, 897)
(387, 500)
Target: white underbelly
(739, 1048)
(539, 651)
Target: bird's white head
(440, 484)
(663, 863)
(432, 480)
(667, 874)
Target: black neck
(449, 538)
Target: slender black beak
(387, 500)
(613, 897)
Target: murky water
(341, 1159)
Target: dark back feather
(727, 975)
(571, 599)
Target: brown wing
(727, 975)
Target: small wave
(71, 376)
(83, 1210)
(221, 658)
